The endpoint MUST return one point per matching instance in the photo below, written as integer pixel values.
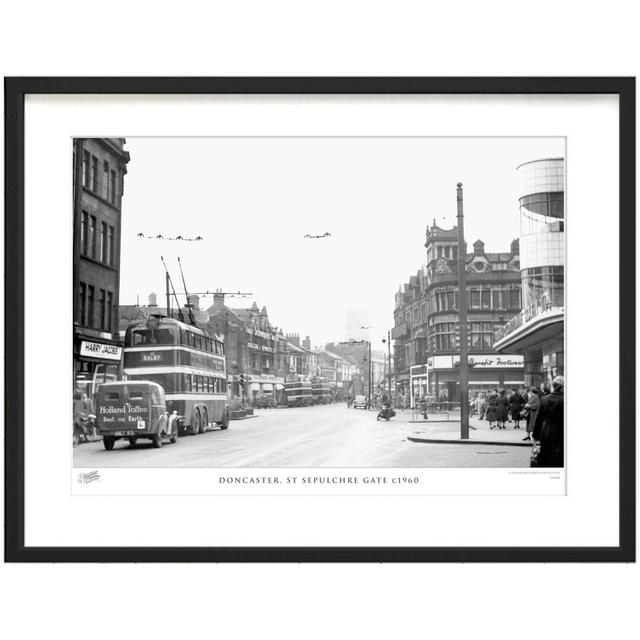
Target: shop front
(95, 360)
(486, 372)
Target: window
(481, 335)
(92, 237)
(90, 306)
(445, 336)
(112, 246)
(103, 308)
(82, 306)
(485, 298)
(186, 381)
(94, 174)
(515, 300)
(84, 232)
(86, 168)
(105, 180)
(112, 188)
(475, 299)
(109, 310)
(104, 249)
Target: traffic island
(449, 433)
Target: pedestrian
(516, 402)
(492, 410)
(545, 390)
(502, 412)
(482, 405)
(532, 407)
(424, 406)
(548, 432)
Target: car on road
(134, 410)
(360, 402)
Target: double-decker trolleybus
(321, 390)
(298, 391)
(187, 363)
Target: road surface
(320, 436)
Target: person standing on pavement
(548, 431)
(502, 413)
(492, 410)
(481, 406)
(532, 407)
(516, 402)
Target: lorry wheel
(76, 439)
(225, 421)
(132, 441)
(157, 440)
(204, 422)
(194, 427)
(108, 442)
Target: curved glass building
(537, 332)
(542, 231)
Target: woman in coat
(492, 410)
(502, 414)
(516, 402)
(532, 406)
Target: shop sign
(493, 362)
(100, 350)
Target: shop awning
(279, 386)
(255, 386)
(266, 386)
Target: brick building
(426, 331)
(99, 167)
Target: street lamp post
(462, 307)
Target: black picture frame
(15, 91)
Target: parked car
(360, 402)
(264, 401)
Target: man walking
(548, 430)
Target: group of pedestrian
(502, 406)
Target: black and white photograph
(295, 302)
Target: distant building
(99, 167)
(426, 331)
(537, 332)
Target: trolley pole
(462, 306)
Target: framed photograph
(320, 319)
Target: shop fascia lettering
(100, 350)
(490, 361)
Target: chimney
(478, 248)
(218, 301)
(515, 247)
(194, 301)
(153, 300)
(306, 343)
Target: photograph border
(15, 91)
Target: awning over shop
(279, 386)
(255, 386)
(267, 386)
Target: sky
(253, 200)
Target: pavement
(446, 429)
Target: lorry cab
(133, 410)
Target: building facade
(99, 167)
(537, 332)
(426, 331)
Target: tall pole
(370, 372)
(389, 359)
(462, 306)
